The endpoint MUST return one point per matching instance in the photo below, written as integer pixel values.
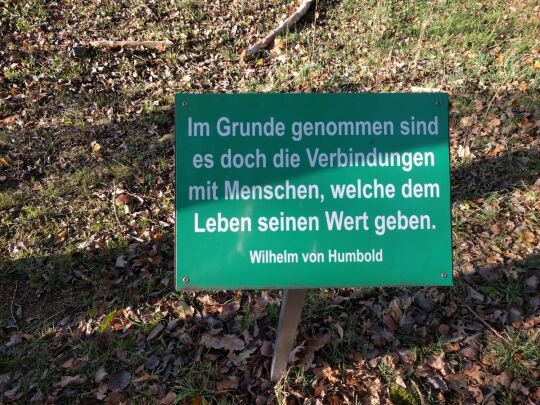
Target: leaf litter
(83, 136)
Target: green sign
(312, 190)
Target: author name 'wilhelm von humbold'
(332, 256)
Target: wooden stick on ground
(285, 25)
(157, 45)
(485, 323)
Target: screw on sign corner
(185, 279)
(444, 275)
(184, 103)
(438, 103)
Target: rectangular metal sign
(312, 190)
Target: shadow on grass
(91, 311)
(486, 176)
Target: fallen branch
(114, 208)
(422, 400)
(12, 301)
(157, 45)
(285, 25)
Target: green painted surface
(352, 152)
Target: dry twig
(13, 301)
(422, 400)
(114, 208)
(285, 25)
(157, 45)
(485, 323)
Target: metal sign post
(289, 319)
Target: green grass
(402, 396)
(423, 352)
(106, 322)
(28, 15)
(14, 75)
(294, 377)
(34, 354)
(517, 353)
(272, 311)
(247, 320)
(317, 305)
(7, 201)
(197, 379)
(454, 40)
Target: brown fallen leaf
(230, 383)
(8, 120)
(71, 363)
(123, 199)
(306, 359)
(505, 379)
(474, 295)
(13, 394)
(227, 342)
(470, 352)
(128, 199)
(456, 381)
(536, 395)
(61, 237)
(266, 348)
(531, 283)
(168, 399)
(475, 373)
(196, 401)
(437, 383)
(100, 374)
(407, 356)
(115, 398)
(496, 151)
(494, 122)
(340, 331)
(211, 306)
(145, 377)
(152, 362)
(329, 374)
(119, 379)
(478, 105)
(400, 380)
(468, 121)
(526, 237)
(182, 310)
(229, 310)
(17, 338)
(443, 329)
(70, 380)
(155, 332)
(334, 400)
(439, 364)
(233, 343)
(154, 390)
(390, 323)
